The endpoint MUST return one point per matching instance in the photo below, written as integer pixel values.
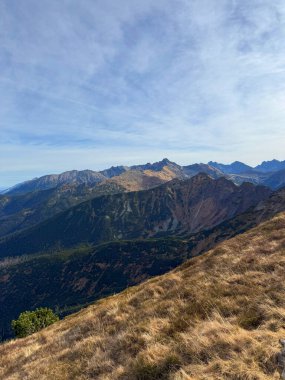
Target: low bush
(32, 321)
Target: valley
(217, 316)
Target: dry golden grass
(218, 316)
(135, 180)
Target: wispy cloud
(139, 80)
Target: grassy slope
(218, 316)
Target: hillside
(34, 201)
(72, 278)
(178, 207)
(270, 166)
(18, 212)
(218, 316)
(233, 168)
(135, 180)
(53, 180)
(103, 270)
(276, 180)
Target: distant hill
(194, 169)
(114, 171)
(178, 207)
(46, 182)
(135, 180)
(158, 166)
(18, 212)
(276, 180)
(234, 168)
(218, 316)
(270, 166)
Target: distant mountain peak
(156, 166)
(167, 161)
(236, 167)
(114, 171)
(270, 166)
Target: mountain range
(32, 202)
(176, 208)
(72, 238)
(238, 171)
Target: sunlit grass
(218, 316)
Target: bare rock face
(281, 359)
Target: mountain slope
(158, 166)
(70, 279)
(270, 166)
(179, 207)
(136, 180)
(191, 170)
(114, 171)
(53, 180)
(25, 209)
(276, 180)
(94, 272)
(218, 316)
(236, 167)
(19, 212)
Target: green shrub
(32, 321)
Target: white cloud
(192, 79)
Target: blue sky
(95, 83)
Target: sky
(96, 83)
